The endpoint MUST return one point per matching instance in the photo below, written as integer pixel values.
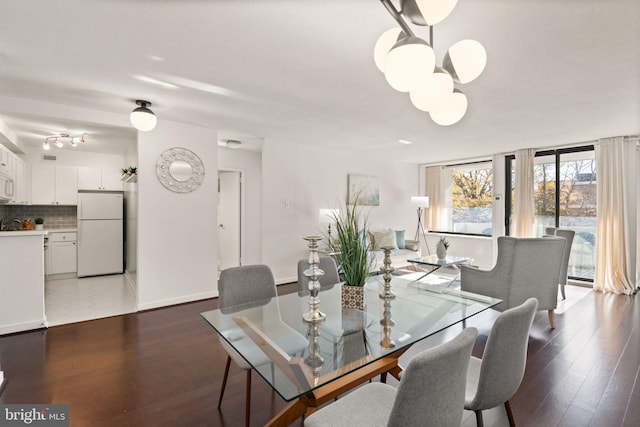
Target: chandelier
(409, 62)
(59, 140)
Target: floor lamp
(421, 202)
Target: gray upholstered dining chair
(525, 268)
(568, 235)
(431, 393)
(327, 280)
(493, 380)
(242, 288)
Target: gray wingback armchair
(569, 235)
(525, 268)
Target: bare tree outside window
(471, 199)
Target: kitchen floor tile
(77, 300)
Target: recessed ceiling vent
(49, 157)
(232, 143)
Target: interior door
(229, 219)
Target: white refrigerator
(100, 233)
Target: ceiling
(558, 72)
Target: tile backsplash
(54, 216)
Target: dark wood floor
(163, 368)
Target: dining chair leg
(512, 421)
(479, 421)
(224, 381)
(247, 405)
(552, 319)
(562, 291)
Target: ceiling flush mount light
(59, 139)
(409, 63)
(142, 118)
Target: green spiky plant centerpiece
(352, 252)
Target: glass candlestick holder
(387, 269)
(313, 273)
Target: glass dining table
(308, 364)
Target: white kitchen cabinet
(105, 179)
(22, 182)
(7, 161)
(62, 253)
(54, 185)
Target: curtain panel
(524, 210)
(435, 214)
(616, 230)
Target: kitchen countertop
(23, 233)
(61, 230)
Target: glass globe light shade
(432, 90)
(465, 60)
(450, 110)
(427, 12)
(407, 62)
(143, 119)
(383, 46)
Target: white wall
(22, 282)
(69, 157)
(298, 181)
(177, 232)
(131, 206)
(250, 163)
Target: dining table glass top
(296, 357)
(434, 261)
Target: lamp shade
(407, 62)
(420, 201)
(384, 44)
(427, 12)
(432, 90)
(327, 216)
(450, 110)
(465, 60)
(142, 118)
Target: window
(565, 196)
(467, 201)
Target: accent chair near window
(525, 268)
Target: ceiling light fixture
(59, 139)
(142, 118)
(409, 63)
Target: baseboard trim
(287, 280)
(23, 326)
(176, 301)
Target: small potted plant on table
(39, 223)
(352, 252)
(441, 248)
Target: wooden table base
(307, 404)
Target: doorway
(230, 217)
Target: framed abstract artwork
(365, 188)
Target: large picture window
(565, 196)
(467, 191)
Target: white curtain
(435, 215)
(615, 244)
(523, 212)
